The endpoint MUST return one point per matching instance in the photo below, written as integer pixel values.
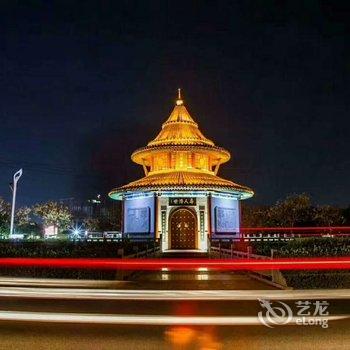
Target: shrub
(316, 247)
(317, 279)
(310, 247)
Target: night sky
(83, 84)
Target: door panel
(183, 229)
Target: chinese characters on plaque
(182, 201)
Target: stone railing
(142, 253)
(274, 277)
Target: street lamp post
(16, 177)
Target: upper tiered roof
(180, 132)
(180, 129)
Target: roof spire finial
(179, 100)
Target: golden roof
(182, 180)
(181, 158)
(180, 130)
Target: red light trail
(334, 263)
(291, 232)
(321, 228)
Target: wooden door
(183, 229)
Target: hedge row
(34, 272)
(310, 247)
(65, 250)
(305, 247)
(316, 247)
(317, 279)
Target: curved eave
(143, 154)
(241, 191)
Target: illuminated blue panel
(225, 217)
(138, 220)
(225, 220)
(139, 217)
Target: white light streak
(140, 319)
(127, 294)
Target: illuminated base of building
(181, 220)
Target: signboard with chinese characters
(182, 201)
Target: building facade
(181, 199)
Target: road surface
(165, 310)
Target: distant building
(91, 208)
(181, 199)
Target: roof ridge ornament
(179, 101)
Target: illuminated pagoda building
(181, 200)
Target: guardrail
(264, 234)
(230, 253)
(143, 253)
(274, 277)
(290, 233)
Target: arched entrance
(183, 229)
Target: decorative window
(201, 161)
(181, 160)
(161, 162)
